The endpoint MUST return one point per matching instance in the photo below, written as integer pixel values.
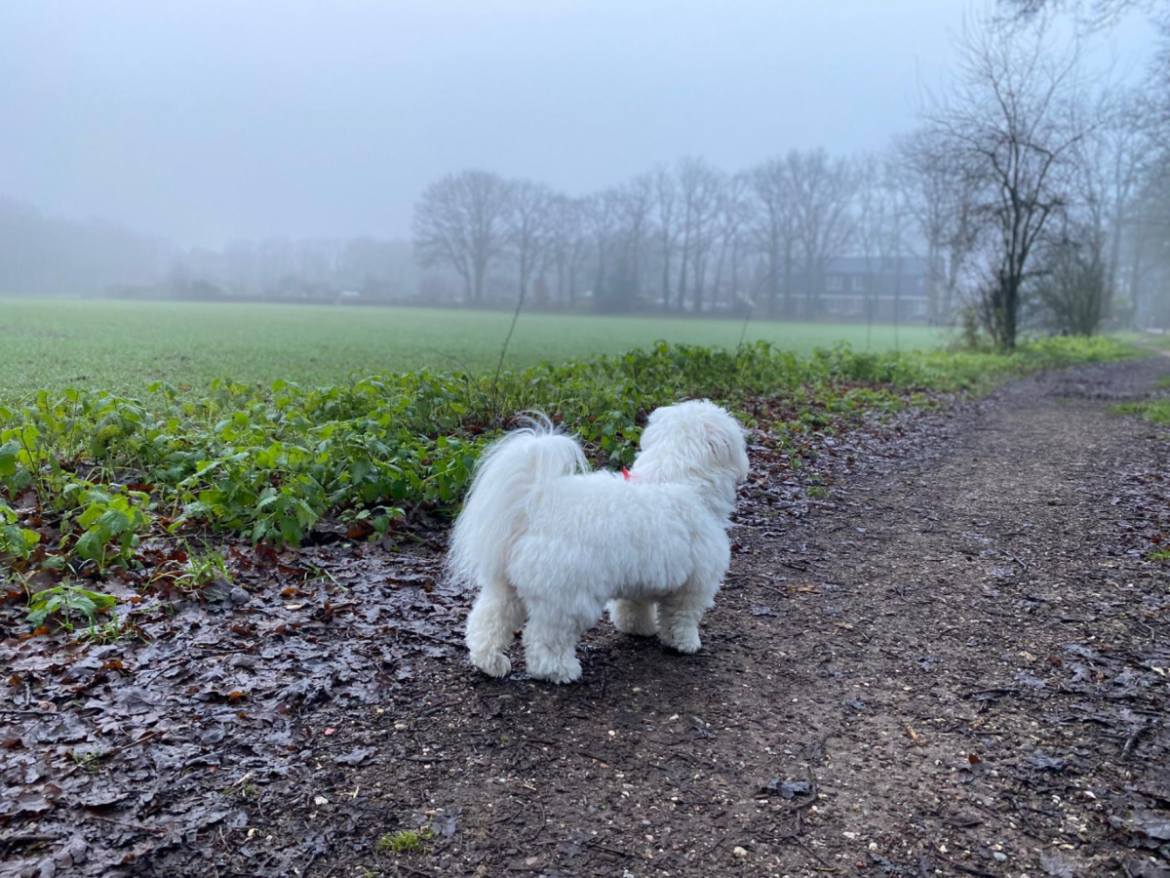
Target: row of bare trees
(683, 238)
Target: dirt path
(957, 663)
(977, 594)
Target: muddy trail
(954, 661)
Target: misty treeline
(46, 254)
(1032, 196)
(313, 269)
(42, 254)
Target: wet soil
(955, 661)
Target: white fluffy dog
(547, 541)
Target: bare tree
(941, 204)
(666, 217)
(462, 221)
(775, 228)
(1094, 13)
(1148, 275)
(733, 215)
(822, 191)
(699, 186)
(874, 225)
(601, 212)
(633, 204)
(1111, 163)
(529, 222)
(569, 244)
(1014, 123)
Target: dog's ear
(726, 441)
(717, 440)
(722, 439)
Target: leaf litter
(247, 730)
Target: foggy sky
(207, 120)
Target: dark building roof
(911, 265)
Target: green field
(124, 346)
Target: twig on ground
(804, 847)
(157, 830)
(1131, 742)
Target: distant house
(859, 288)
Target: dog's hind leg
(634, 617)
(550, 639)
(680, 612)
(491, 627)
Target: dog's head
(696, 437)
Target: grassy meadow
(51, 344)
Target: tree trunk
(666, 279)
(787, 279)
(477, 292)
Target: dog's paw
(682, 641)
(494, 664)
(561, 670)
(630, 618)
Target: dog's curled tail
(494, 512)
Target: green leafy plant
(194, 569)
(66, 604)
(111, 525)
(15, 541)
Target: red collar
(626, 474)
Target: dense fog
(780, 159)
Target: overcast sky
(202, 120)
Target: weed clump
(408, 841)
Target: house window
(858, 283)
(834, 283)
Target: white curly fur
(550, 544)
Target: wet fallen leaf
(355, 757)
(1145, 867)
(786, 789)
(1149, 823)
(1053, 865)
(1043, 762)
